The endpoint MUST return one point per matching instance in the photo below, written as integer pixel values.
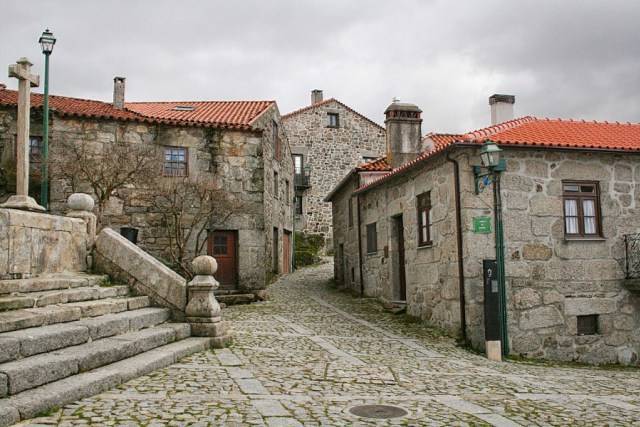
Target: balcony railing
(302, 180)
(632, 249)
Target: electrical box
(491, 300)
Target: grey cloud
(570, 58)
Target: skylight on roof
(184, 108)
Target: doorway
(399, 276)
(223, 246)
(286, 252)
(275, 251)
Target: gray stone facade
(551, 278)
(239, 161)
(329, 153)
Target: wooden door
(286, 252)
(402, 279)
(222, 246)
(276, 251)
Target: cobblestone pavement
(310, 353)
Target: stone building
(418, 235)
(239, 146)
(327, 139)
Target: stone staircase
(64, 337)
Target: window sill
(426, 245)
(372, 253)
(584, 239)
(333, 127)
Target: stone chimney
(501, 108)
(118, 92)
(404, 133)
(316, 96)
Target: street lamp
(47, 41)
(492, 166)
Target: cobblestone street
(310, 353)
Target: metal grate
(632, 248)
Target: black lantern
(47, 41)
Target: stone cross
(22, 71)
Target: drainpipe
(456, 180)
(499, 236)
(359, 242)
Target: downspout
(456, 180)
(359, 241)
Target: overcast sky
(569, 58)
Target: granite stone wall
(552, 278)
(331, 153)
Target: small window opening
(588, 324)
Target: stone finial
(81, 206)
(204, 265)
(203, 311)
(80, 202)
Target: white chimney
(501, 108)
(118, 92)
(316, 96)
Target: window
(334, 120)
(297, 164)
(276, 140)
(175, 161)
(286, 192)
(298, 205)
(353, 275)
(367, 159)
(276, 187)
(372, 238)
(424, 219)
(350, 213)
(220, 245)
(35, 149)
(581, 209)
(588, 325)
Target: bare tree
(107, 167)
(188, 206)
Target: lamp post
(492, 166)
(46, 42)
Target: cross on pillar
(22, 71)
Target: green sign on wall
(482, 224)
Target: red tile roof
(378, 165)
(325, 102)
(224, 114)
(535, 132)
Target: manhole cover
(378, 411)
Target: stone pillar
(81, 206)
(203, 311)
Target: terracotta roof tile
(325, 102)
(378, 165)
(225, 114)
(535, 132)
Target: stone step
(236, 298)
(32, 317)
(30, 372)
(60, 296)
(51, 282)
(28, 342)
(30, 403)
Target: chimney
(3, 86)
(316, 96)
(118, 92)
(404, 133)
(501, 108)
